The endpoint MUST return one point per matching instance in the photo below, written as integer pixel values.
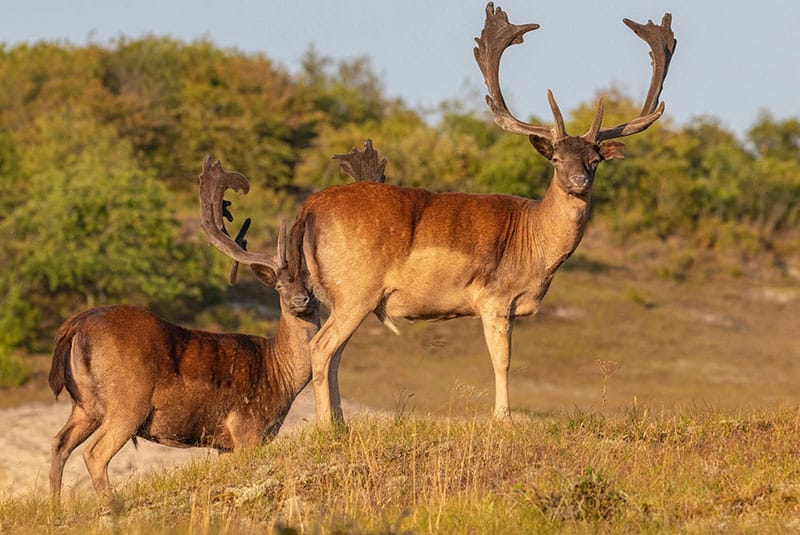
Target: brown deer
(131, 374)
(409, 253)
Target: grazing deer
(131, 374)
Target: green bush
(13, 370)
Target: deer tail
(63, 347)
(65, 340)
(302, 231)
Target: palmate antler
(498, 34)
(363, 165)
(214, 181)
(662, 44)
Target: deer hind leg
(123, 418)
(77, 428)
(497, 331)
(105, 444)
(333, 380)
(326, 352)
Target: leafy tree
(343, 92)
(776, 139)
(88, 227)
(457, 119)
(14, 371)
(177, 102)
(419, 155)
(512, 165)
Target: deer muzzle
(301, 304)
(581, 181)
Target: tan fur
(410, 253)
(407, 253)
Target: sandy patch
(28, 430)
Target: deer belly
(197, 426)
(428, 303)
(526, 306)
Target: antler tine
(363, 165)
(497, 35)
(559, 131)
(214, 181)
(597, 123)
(662, 44)
(240, 240)
(283, 241)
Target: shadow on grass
(581, 262)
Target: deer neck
(558, 221)
(292, 349)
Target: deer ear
(612, 149)
(543, 145)
(265, 274)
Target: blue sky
(734, 58)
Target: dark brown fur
(132, 374)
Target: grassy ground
(644, 400)
(696, 472)
(714, 339)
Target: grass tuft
(697, 471)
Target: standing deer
(409, 253)
(131, 374)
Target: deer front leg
(326, 352)
(497, 331)
(245, 432)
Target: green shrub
(13, 370)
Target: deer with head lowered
(131, 374)
(409, 253)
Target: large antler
(214, 181)
(662, 44)
(497, 35)
(363, 165)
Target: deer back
(371, 239)
(124, 359)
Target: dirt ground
(28, 429)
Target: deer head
(272, 271)
(574, 158)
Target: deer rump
(410, 253)
(153, 379)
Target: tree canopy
(100, 147)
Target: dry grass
(712, 339)
(697, 471)
(641, 404)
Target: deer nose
(300, 301)
(579, 180)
